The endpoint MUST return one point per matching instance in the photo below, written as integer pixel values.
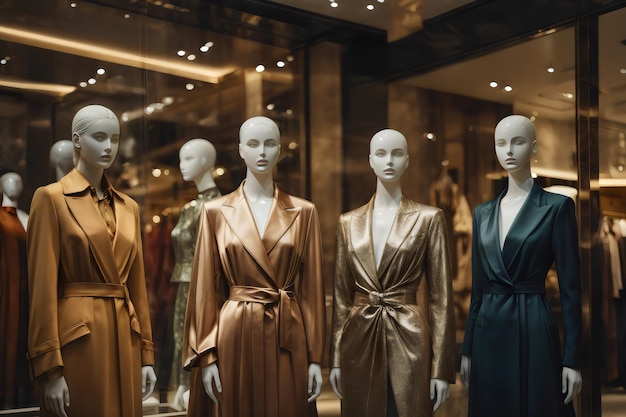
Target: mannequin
(15, 387)
(255, 316)
(197, 159)
(61, 157)
(90, 341)
(382, 362)
(511, 359)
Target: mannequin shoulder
(47, 193)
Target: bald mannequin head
(388, 155)
(61, 157)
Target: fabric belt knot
(269, 296)
(394, 299)
(524, 287)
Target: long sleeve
(478, 275)
(43, 245)
(441, 303)
(312, 291)
(343, 295)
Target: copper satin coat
(100, 341)
(256, 305)
(379, 333)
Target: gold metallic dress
(256, 306)
(382, 341)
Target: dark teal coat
(512, 335)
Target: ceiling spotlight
(189, 86)
(91, 81)
(159, 106)
(204, 48)
(280, 64)
(430, 136)
(622, 71)
(3, 61)
(219, 171)
(290, 58)
(260, 68)
(532, 118)
(168, 100)
(125, 117)
(493, 84)
(73, 4)
(370, 7)
(550, 70)
(156, 172)
(270, 106)
(191, 57)
(334, 4)
(381, 1)
(100, 71)
(150, 110)
(508, 88)
(83, 84)
(126, 16)
(289, 111)
(568, 96)
(181, 53)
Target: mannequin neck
(205, 182)
(520, 184)
(258, 186)
(8, 201)
(388, 194)
(93, 175)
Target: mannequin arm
(335, 381)
(57, 396)
(466, 366)
(439, 391)
(210, 375)
(315, 381)
(148, 381)
(571, 383)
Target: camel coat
(89, 309)
(381, 338)
(256, 306)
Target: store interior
(171, 80)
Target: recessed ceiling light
(126, 16)
(271, 106)
(83, 84)
(622, 70)
(191, 57)
(204, 48)
(100, 71)
(91, 81)
(181, 53)
(280, 64)
(168, 100)
(73, 4)
(370, 7)
(493, 84)
(290, 58)
(568, 95)
(550, 70)
(260, 68)
(289, 111)
(4, 61)
(189, 86)
(381, 1)
(508, 88)
(334, 4)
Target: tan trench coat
(380, 337)
(256, 306)
(89, 309)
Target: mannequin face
(99, 143)
(388, 155)
(192, 164)
(259, 147)
(515, 143)
(11, 184)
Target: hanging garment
(512, 337)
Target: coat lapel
(361, 239)
(490, 237)
(124, 240)
(405, 219)
(240, 220)
(86, 214)
(282, 215)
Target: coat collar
(361, 236)
(527, 220)
(239, 217)
(110, 256)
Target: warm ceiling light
(270, 106)
(508, 88)
(290, 58)
(568, 95)
(550, 70)
(204, 48)
(73, 4)
(189, 86)
(219, 171)
(622, 71)
(150, 110)
(280, 64)
(260, 68)
(191, 57)
(45, 88)
(181, 53)
(156, 172)
(3, 61)
(493, 84)
(126, 16)
(334, 4)
(100, 71)
(83, 84)
(168, 100)
(381, 1)
(370, 7)
(429, 136)
(91, 81)
(156, 219)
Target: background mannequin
(517, 237)
(375, 316)
(15, 387)
(197, 159)
(61, 157)
(262, 247)
(89, 332)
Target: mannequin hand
(335, 381)
(315, 381)
(210, 375)
(57, 396)
(571, 383)
(148, 381)
(466, 367)
(439, 390)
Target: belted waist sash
(269, 296)
(392, 299)
(527, 287)
(95, 289)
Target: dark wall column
(588, 208)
